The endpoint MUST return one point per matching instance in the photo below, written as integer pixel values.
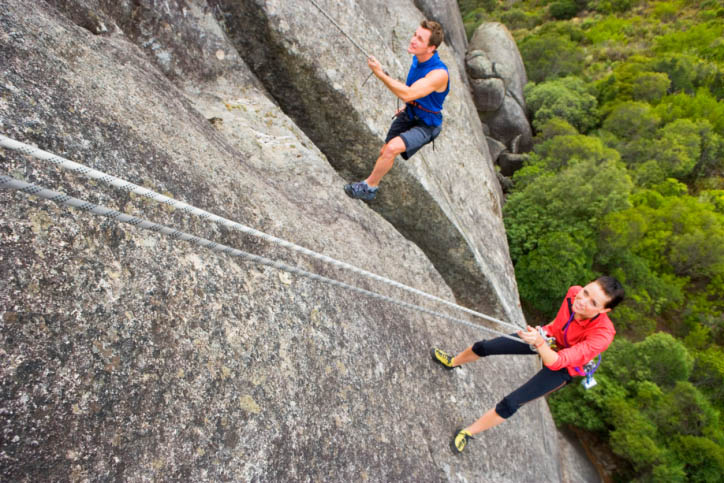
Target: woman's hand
(531, 336)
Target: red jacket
(583, 340)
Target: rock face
(497, 76)
(129, 355)
(446, 200)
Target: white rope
(63, 199)
(67, 164)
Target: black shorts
(414, 133)
(544, 382)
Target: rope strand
(99, 210)
(124, 185)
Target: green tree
(663, 360)
(574, 201)
(549, 56)
(630, 121)
(650, 86)
(703, 458)
(559, 261)
(567, 98)
(563, 9)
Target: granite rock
(132, 356)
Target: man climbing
(582, 330)
(420, 121)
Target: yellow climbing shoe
(460, 440)
(442, 358)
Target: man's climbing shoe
(442, 358)
(360, 191)
(460, 440)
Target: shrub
(549, 56)
(563, 9)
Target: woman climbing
(581, 331)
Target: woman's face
(591, 301)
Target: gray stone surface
(575, 465)
(510, 163)
(495, 147)
(509, 124)
(130, 356)
(447, 200)
(495, 40)
(497, 77)
(489, 94)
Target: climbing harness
(419, 106)
(8, 182)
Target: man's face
(590, 301)
(419, 44)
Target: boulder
(510, 163)
(495, 147)
(496, 42)
(488, 94)
(497, 77)
(508, 124)
(506, 184)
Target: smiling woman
(581, 331)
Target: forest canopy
(626, 177)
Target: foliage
(563, 9)
(626, 178)
(654, 417)
(549, 56)
(567, 98)
(568, 202)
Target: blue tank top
(433, 101)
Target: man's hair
(613, 289)
(436, 33)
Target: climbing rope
(340, 28)
(99, 210)
(121, 184)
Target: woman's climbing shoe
(442, 358)
(460, 440)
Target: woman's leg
(544, 382)
(497, 346)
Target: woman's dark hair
(613, 289)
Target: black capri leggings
(545, 382)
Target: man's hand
(374, 65)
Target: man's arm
(436, 80)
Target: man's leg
(384, 163)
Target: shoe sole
(434, 358)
